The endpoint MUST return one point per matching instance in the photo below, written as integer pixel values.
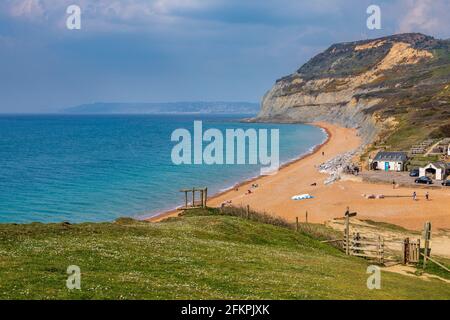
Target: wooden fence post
(427, 236)
(347, 235)
(206, 196)
(296, 224)
(381, 253)
(405, 251)
(306, 217)
(418, 251)
(248, 212)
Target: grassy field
(433, 268)
(203, 255)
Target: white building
(389, 161)
(435, 170)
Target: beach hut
(389, 161)
(435, 170)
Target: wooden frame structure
(366, 248)
(411, 251)
(203, 198)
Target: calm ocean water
(98, 168)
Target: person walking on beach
(414, 196)
(427, 196)
(393, 184)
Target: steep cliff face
(371, 85)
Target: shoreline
(174, 212)
(274, 192)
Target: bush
(441, 132)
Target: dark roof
(391, 156)
(441, 165)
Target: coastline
(174, 212)
(274, 193)
(330, 201)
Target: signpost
(427, 237)
(348, 215)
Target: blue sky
(179, 50)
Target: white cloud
(125, 9)
(135, 11)
(104, 15)
(167, 6)
(427, 16)
(26, 8)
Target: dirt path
(411, 272)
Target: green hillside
(200, 256)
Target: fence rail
(366, 248)
(370, 248)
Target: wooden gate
(365, 247)
(411, 251)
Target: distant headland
(182, 107)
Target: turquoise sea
(57, 168)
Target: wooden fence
(365, 247)
(375, 249)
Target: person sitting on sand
(314, 184)
(249, 192)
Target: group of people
(414, 196)
(226, 203)
(254, 186)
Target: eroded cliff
(377, 86)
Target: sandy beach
(273, 194)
